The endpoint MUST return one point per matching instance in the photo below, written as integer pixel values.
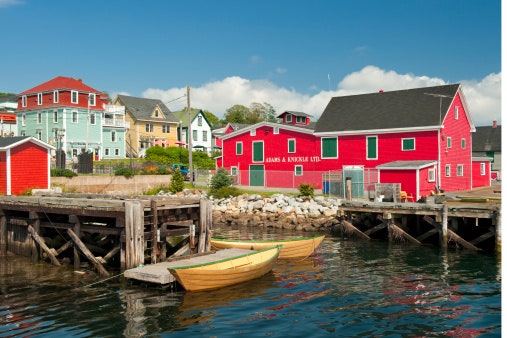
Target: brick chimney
(494, 123)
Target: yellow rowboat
(291, 248)
(244, 266)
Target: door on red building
(257, 175)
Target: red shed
(24, 164)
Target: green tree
(236, 114)
(214, 120)
(220, 179)
(177, 182)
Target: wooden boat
(291, 248)
(244, 266)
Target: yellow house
(151, 124)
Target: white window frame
(252, 132)
(75, 116)
(23, 120)
(483, 168)
(39, 118)
(74, 94)
(93, 120)
(116, 151)
(39, 134)
(296, 167)
(288, 146)
(449, 142)
(113, 136)
(288, 118)
(447, 170)
(106, 151)
(199, 121)
(276, 130)
(55, 116)
(241, 144)
(407, 138)
(195, 136)
(234, 171)
(431, 175)
(205, 136)
(456, 112)
(460, 170)
(92, 99)
(39, 99)
(376, 147)
(56, 95)
(463, 143)
(23, 101)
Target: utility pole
(189, 135)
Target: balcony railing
(116, 123)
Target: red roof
(61, 82)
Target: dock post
(205, 219)
(155, 252)
(134, 234)
(36, 229)
(348, 184)
(3, 234)
(77, 230)
(499, 230)
(444, 234)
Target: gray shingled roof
(142, 108)
(7, 141)
(487, 139)
(408, 108)
(295, 113)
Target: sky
(294, 55)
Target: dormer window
(74, 97)
(23, 101)
(39, 99)
(55, 96)
(288, 118)
(91, 99)
(300, 119)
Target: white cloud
(483, 97)
(7, 3)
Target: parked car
(182, 168)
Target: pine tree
(177, 182)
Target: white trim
(376, 147)
(8, 173)
(377, 131)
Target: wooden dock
(474, 226)
(159, 274)
(109, 232)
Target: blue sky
(294, 55)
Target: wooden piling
(134, 234)
(444, 232)
(498, 241)
(3, 234)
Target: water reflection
(347, 288)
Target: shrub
(220, 179)
(224, 192)
(177, 182)
(61, 172)
(306, 189)
(127, 172)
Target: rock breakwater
(278, 210)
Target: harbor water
(347, 288)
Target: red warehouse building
(25, 164)
(419, 138)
